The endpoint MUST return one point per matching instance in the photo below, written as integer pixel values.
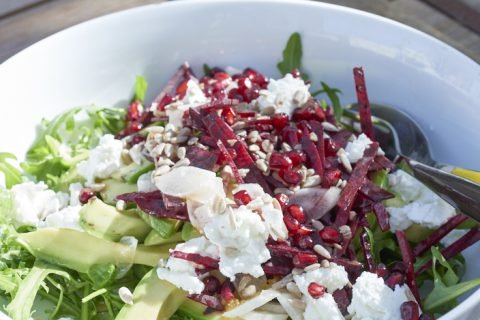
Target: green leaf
(206, 69)
(141, 86)
(20, 308)
(12, 174)
(292, 55)
(165, 227)
(443, 295)
(332, 94)
(189, 232)
(380, 178)
(101, 274)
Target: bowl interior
(96, 63)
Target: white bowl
(97, 61)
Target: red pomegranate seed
(85, 195)
(280, 121)
(242, 198)
(330, 235)
(134, 126)
(292, 224)
(182, 88)
(310, 111)
(290, 177)
(382, 271)
(226, 291)
(222, 76)
(409, 311)
(212, 285)
(304, 231)
(297, 157)
(282, 199)
(134, 111)
(316, 290)
(279, 161)
(305, 242)
(290, 136)
(331, 177)
(255, 76)
(304, 259)
(228, 115)
(296, 73)
(235, 94)
(296, 211)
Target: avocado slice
(153, 299)
(165, 227)
(75, 249)
(113, 188)
(150, 255)
(132, 177)
(106, 222)
(154, 238)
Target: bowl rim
(457, 312)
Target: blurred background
(24, 22)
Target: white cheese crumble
(332, 278)
(240, 236)
(194, 96)
(283, 95)
(202, 190)
(267, 207)
(145, 182)
(136, 154)
(67, 218)
(180, 272)
(373, 300)
(75, 189)
(355, 149)
(422, 207)
(105, 159)
(33, 202)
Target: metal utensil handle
(461, 193)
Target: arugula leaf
(20, 308)
(380, 178)
(446, 289)
(332, 94)
(292, 55)
(206, 69)
(141, 86)
(12, 175)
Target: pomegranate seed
(242, 198)
(289, 135)
(304, 128)
(228, 115)
(226, 291)
(182, 88)
(134, 111)
(297, 212)
(330, 235)
(304, 231)
(310, 111)
(246, 114)
(222, 76)
(295, 73)
(304, 259)
(280, 121)
(235, 94)
(290, 177)
(136, 139)
(85, 195)
(214, 71)
(409, 311)
(134, 126)
(305, 242)
(282, 199)
(382, 271)
(279, 161)
(331, 177)
(256, 77)
(212, 285)
(394, 279)
(291, 224)
(297, 157)
(316, 290)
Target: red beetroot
(311, 110)
(408, 260)
(316, 290)
(196, 258)
(363, 103)
(409, 311)
(396, 278)
(85, 195)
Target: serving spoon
(400, 136)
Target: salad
(230, 196)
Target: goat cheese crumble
(181, 272)
(422, 207)
(283, 95)
(105, 159)
(355, 149)
(373, 300)
(194, 96)
(145, 183)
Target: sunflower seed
(321, 250)
(168, 150)
(181, 152)
(313, 136)
(293, 289)
(179, 139)
(317, 224)
(312, 181)
(342, 156)
(330, 127)
(253, 147)
(262, 165)
(192, 141)
(162, 170)
(286, 147)
(267, 146)
(346, 231)
(182, 163)
(120, 205)
(125, 295)
(325, 263)
(312, 267)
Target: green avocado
(75, 249)
(150, 255)
(153, 299)
(154, 238)
(113, 188)
(106, 222)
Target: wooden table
(23, 22)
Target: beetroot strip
(374, 192)
(363, 103)
(218, 128)
(408, 260)
(230, 161)
(153, 204)
(347, 197)
(470, 238)
(245, 160)
(382, 216)
(311, 151)
(182, 73)
(196, 258)
(318, 130)
(385, 163)
(438, 234)
(271, 270)
(367, 251)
